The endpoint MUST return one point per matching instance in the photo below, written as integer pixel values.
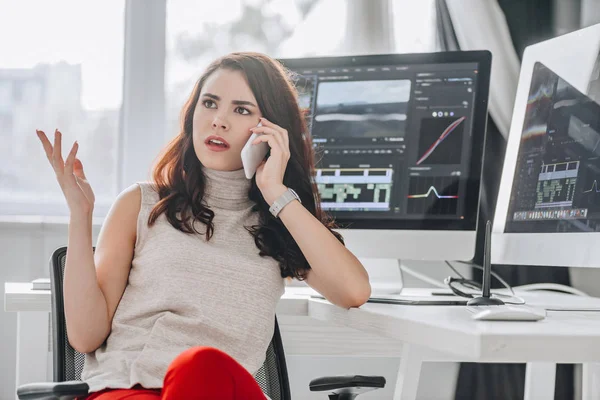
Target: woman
(196, 257)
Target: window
(198, 32)
(61, 68)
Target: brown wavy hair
(179, 180)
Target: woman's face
(224, 115)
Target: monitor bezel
(571, 56)
(483, 58)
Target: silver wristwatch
(283, 200)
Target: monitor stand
(486, 299)
(383, 281)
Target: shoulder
(145, 193)
(123, 214)
(133, 191)
(129, 200)
(133, 198)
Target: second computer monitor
(548, 210)
(399, 142)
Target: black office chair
(68, 363)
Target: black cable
(468, 283)
(455, 270)
(495, 275)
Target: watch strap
(288, 196)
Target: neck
(226, 189)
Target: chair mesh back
(68, 363)
(268, 377)
(72, 363)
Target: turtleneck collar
(226, 189)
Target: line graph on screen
(444, 148)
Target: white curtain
(481, 25)
(369, 27)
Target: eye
(242, 111)
(209, 104)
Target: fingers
(266, 138)
(280, 138)
(78, 169)
(82, 181)
(45, 143)
(270, 132)
(274, 144)
(279, 131)
(282, 132)
(71, 159)
(57, 159)
(69, 173)
(71, 166)
(68, 179)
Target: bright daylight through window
(66, 72)
(62, 72)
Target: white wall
(25, 250)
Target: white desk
(416, 334)
(447, 333)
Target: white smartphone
(253, 155)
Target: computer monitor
(399, 141)
(548, 209)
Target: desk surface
(19, 296)
(563, 337)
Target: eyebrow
(236, 102)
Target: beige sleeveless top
(184, 291)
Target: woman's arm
(335, 272)
(95, 282)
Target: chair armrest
(52, 390)
(346, 387)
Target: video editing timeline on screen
(391, 139)
(555, 188)
(355, 188)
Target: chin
(220, 165)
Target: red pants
(199, 373)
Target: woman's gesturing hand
(69, 174)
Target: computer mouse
(508, 313)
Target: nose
(220, 123)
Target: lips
(216, 141)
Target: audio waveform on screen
(432, 195)
(443, 136)
(590, 195)
(594, 188)
(435, 192)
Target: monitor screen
(556, 185)
(399, 138)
